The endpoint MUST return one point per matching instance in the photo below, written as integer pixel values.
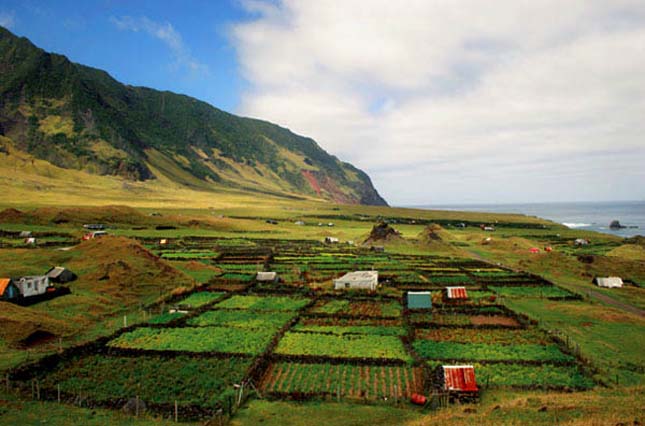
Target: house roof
(55, 271)
(359, 276)
(609, 281)
(459, 377)
(419, 299)
(266, 276)
(457, 292)
(4, 283)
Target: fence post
(58, 392)
(125, 320)
(176, 413)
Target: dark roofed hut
(59, 274)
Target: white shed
(331, 240)
(609, 282)
(266, 276)
(33, 286)
(364, 280)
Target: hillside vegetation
(80, 118)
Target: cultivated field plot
(111, 380)
(343, 346)
(196, 339)
(358, 308)
(294, 339)
(373, 382)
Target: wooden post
(176, 413)
(38, 389)
(60, 344)
(58, 392)
(125, 320)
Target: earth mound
(383, 232)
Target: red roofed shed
(459, 378)
(456, 293)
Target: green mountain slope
(77, 117)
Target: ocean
(592, 216)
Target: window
(346, 285)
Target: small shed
(59, 274)
(266, 277)
(331, 240)
(459, 378)
(8, 290)
(30, 241)
(25, 234)
(581, 242)
(163, 242)
(363, 280)
(94, 226)
(456, 293)
(419, 300)
(609, 282)
(33, 285)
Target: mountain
(77, 117)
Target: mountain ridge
(78, 117)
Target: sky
(439, 101)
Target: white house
(609, 282)
(364, 280)
(33, 286)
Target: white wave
(576, 225)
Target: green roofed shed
(419, 300)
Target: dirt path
(615, 303)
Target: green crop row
(201, 298)
(264, 303)
(165, 318)
(385, 308)
(531, 375)
(489, 352)
(243, 319)
(541, 292)
(345, 346)
(356, 329)
(488, 336)
(196, 339)
(189, 381)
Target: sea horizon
(584, 215)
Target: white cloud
(8, 19)
(167, 34)
(437, 100)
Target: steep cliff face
(78, 117)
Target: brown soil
(494, 320)
(11, 216)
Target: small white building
(266, 276)
(33, 286)
(331, 240)
(363, 280)
(609, 282)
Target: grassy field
(219, 241)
